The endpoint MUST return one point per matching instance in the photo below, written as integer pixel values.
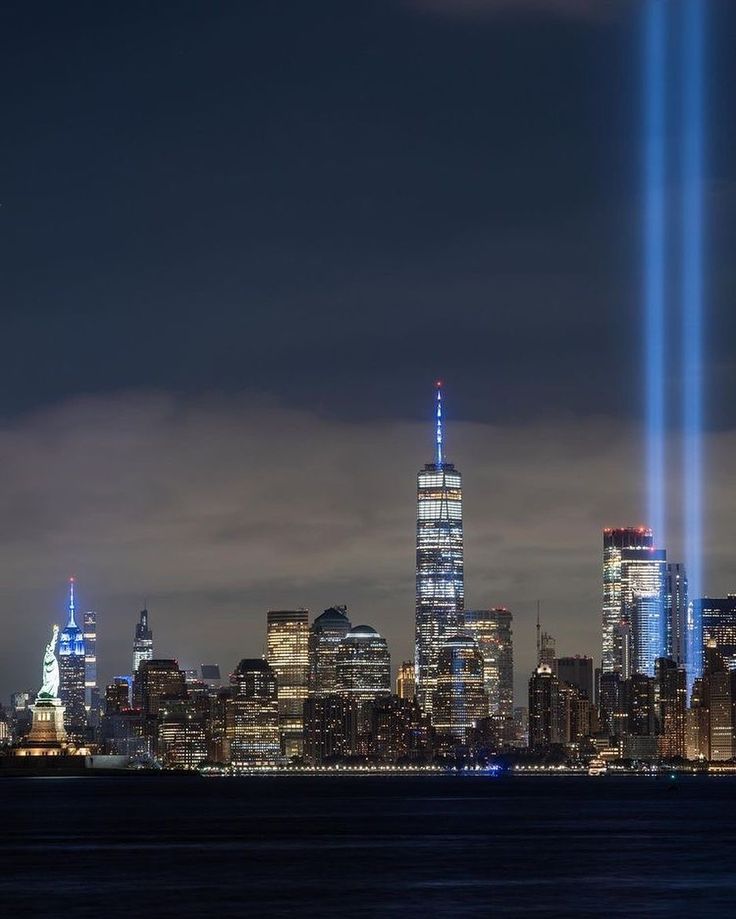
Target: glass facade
(363, 670)
(440, 588)
(252, 715)
(287, 644)
(491, 629)
(327, 631)
(643, 575)
(718, 618)
(460, 699)
(615, 541)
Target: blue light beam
(654, 259)
(692, 310)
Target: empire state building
(439, 586)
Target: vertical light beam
(654, 259)
(692, 310)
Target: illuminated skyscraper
(90, 657)
(676, 613)
(287, 640)
(406, 683)
(615, 627)
(718, 617)
(545, 722)
(460, 699)
(439, 572)
(143, 641)
(363, 670)
(72, 673)
(491, 628)
(252, 715)
(643, 575)
(671, 707)
(327, 631)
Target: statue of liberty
(50, 686)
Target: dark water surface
(368, 846)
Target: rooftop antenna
(439, 422)
(539, 641)
(71, 602)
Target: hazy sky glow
(238, 244)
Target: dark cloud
(217, 509)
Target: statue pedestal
(47, 736)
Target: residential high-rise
(287, 643)
(406, 683)
(252, 715)
(460, 699)
(400, 732)
(72, 673)
(90, 657)
(440, 588)
(182, 735)
(326, 633)
(330, 729)
(615, 541)
(157, 683)
(143, 641)
(363, 670)
(491, 629)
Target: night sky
(238, 243)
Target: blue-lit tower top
(439, 423)
(71, 641)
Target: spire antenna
(439, 437)
(71, 602)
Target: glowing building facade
(406, 683)
(491, 629)
(252, 715)
(440, 588)
(718, 617)
(287, 644)
(460, 699)
(616, 630)
(643, 576)
(326, 633)
(142, 642)
(363, 670)
(72, 673)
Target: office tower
(491, 629)
(156, 683)
(643, 575)
(576, 671)
(182, 735)
(400, 732)
(439, 572)
(21, 713)
(671, 696)
(544, 709)
(676, 613)
(117, 696)
(615, 541)
(252, 715)
(460, 699)
(696, 724)
(406, 685)
(521, 726)
(142, 642)
(613, 708)
(363, 670)
(287, 644)
(326, 633)
(330, 729)
(72, 673)
(90, 657)
(718, 617)
(642, 715)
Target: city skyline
(631, 542)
